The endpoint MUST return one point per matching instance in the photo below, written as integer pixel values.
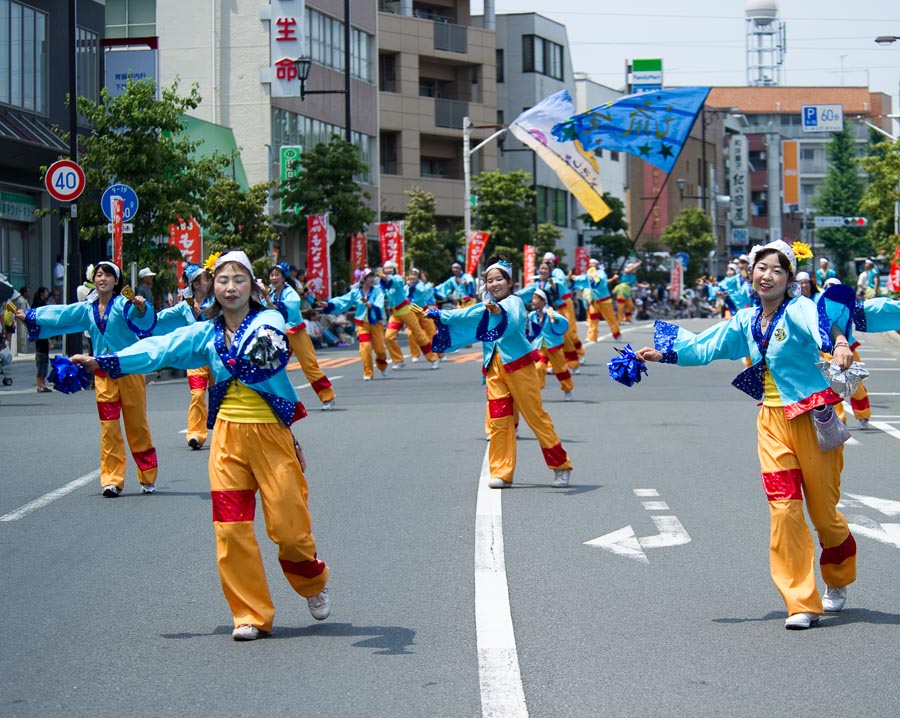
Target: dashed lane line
(51, 497)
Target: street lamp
(303, 65)
(886, 39)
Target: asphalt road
(113, 607)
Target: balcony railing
(449, 37)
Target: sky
(701, 42)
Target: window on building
(552, 206)
(387, 72)
(807, 153)
(542, 56)
(88, 64)
(130, 18)
(325, 44)
(289, 128)
(499, 65)
(23, 56)
(389, 159)
(613, 155)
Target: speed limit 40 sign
(64, 180)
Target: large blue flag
(650, 125)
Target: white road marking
(884, 393)
(889, 533)
(655, 505)
(305, 386)
(621, 542)
(879, 359)
(499, 677)
(671, 533)
(879, 368)
(885, 506)
(646, 492)
(51, 497)
(886, 428)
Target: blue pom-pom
(626, 368)
(68, 377)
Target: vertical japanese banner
(528, 262)
(357, 253)
(477, 242)
(582, 257)
(118, 213)
(894, 276)
(187, 238)
(390, 237)
(790, 164)
(318, 268)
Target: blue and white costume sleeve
(175, 317)
(119, 326)
(458, 328)
(203, 343)
(789, 350)
(873, 315)
(287, 302)
(356, 299)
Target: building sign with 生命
(285, 45)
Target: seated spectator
(317, 333)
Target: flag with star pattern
(649, 125)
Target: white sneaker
(577, 370)
(245, 633)
(549, 369)
(414, 359)
(567, 396)
(328, 405)
(443, 358)
(834, 599)
(148, 488)
(398, 365)
(582, 360)
(863, 424)
(561, 478)
(435, 364)
(499, 484)
(110, 492)
(384, 373)
(801, 621)
(367, 378)
(319, 605)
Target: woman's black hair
(120, 281)
(499, 258)
(783, 262)
(40, 301)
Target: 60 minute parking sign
(822, 118)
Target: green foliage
(548, 234)
(691, 232)
(236, 219)
(882, 193)
(138, 140)
(325, 183)
(610, 235)
(423, 249)
(839, 196)
(505, 206)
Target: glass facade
(325, 45)
(23, 56)
(130, 18)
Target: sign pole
(72, 341)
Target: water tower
(765, 43)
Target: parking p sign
(823, 118)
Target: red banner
(893, 284)
(118, 213)
(477, 242)
(188, 239)
(357, 253)
(582, 258)
(390, 236)
(318, 266)
(676, 280)
(529, 268)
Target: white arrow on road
(889, 534)
(623, 542)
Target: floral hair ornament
(285, 269)
(210, 264)
(802, 252)
(238, 257)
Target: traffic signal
(855, 221)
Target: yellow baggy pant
(572, 348)
(125, 397)
(244, 459)
(410, 320)
(602, 308)
(507, 393)
(795, 469)
(556, 360)
(303, 349)
(198, 381)
(371, 337)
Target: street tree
(328, 181)
(546, 239)
(839, 196)
(505, 206)
(139, 140)
(609, 236)
(423, 249)
(880, 198)
(237, 219)
(691, 233)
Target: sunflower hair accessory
(802, 252)
(211, 260)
